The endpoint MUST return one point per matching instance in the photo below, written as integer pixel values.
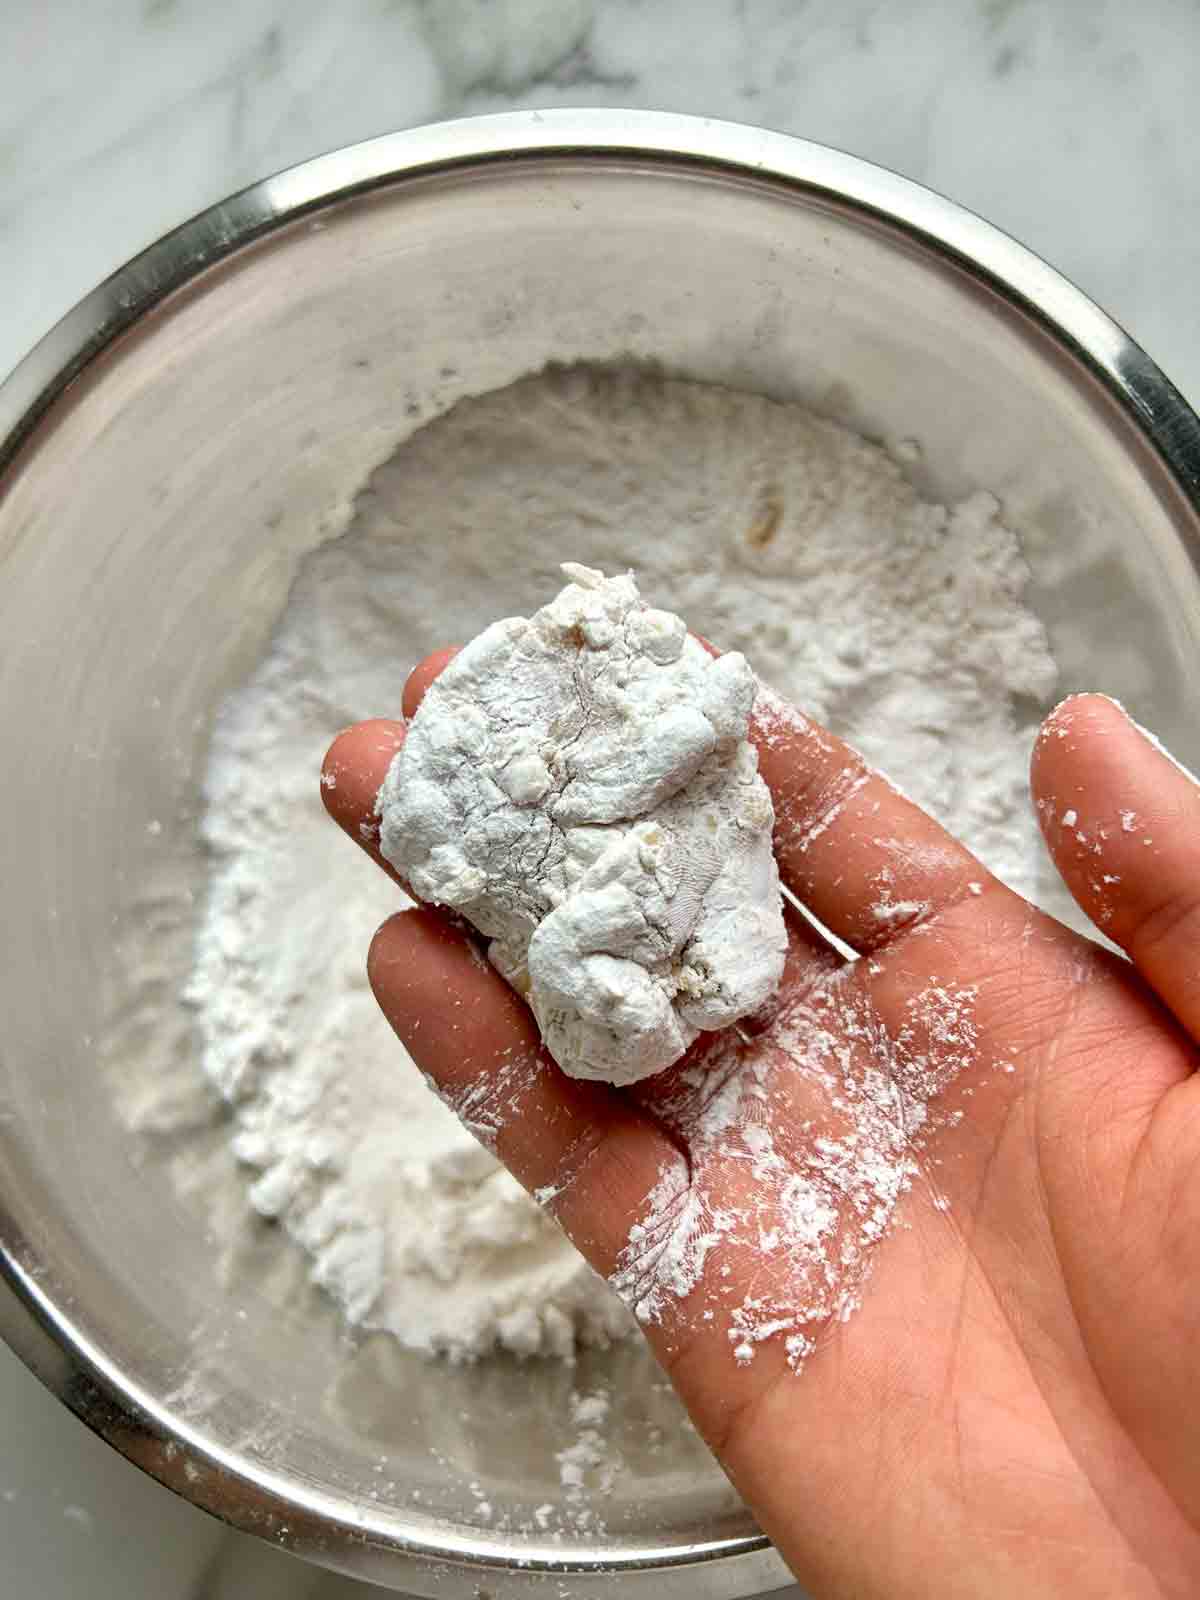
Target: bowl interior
(148, 534)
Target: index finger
(357, 762)
(856, 852)
(355, 765)
(863, 858)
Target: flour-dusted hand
(580, 786)
(920, 1249)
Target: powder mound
(580, 786)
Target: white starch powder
(898, 623)
(580, 786)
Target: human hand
(919, 1250)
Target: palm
(1013, 1379)
(1007, 1410)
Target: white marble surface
(1072, 123)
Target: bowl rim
(325, 1527)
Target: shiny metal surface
(175, 445)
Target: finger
(1122, 821)
(587, 1153)
(422, 675)
(864, 859)
(355, 765)
(357, 762)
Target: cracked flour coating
(579, 785)
(896, 622)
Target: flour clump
(580, 785)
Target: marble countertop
(1071, 124)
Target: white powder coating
(586, 1468)
(580, 786)
(779, 1222)
(898, 623)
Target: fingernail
(1163, 751)
(1153, 739)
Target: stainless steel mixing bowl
(174, 446)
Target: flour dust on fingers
(898, 623)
